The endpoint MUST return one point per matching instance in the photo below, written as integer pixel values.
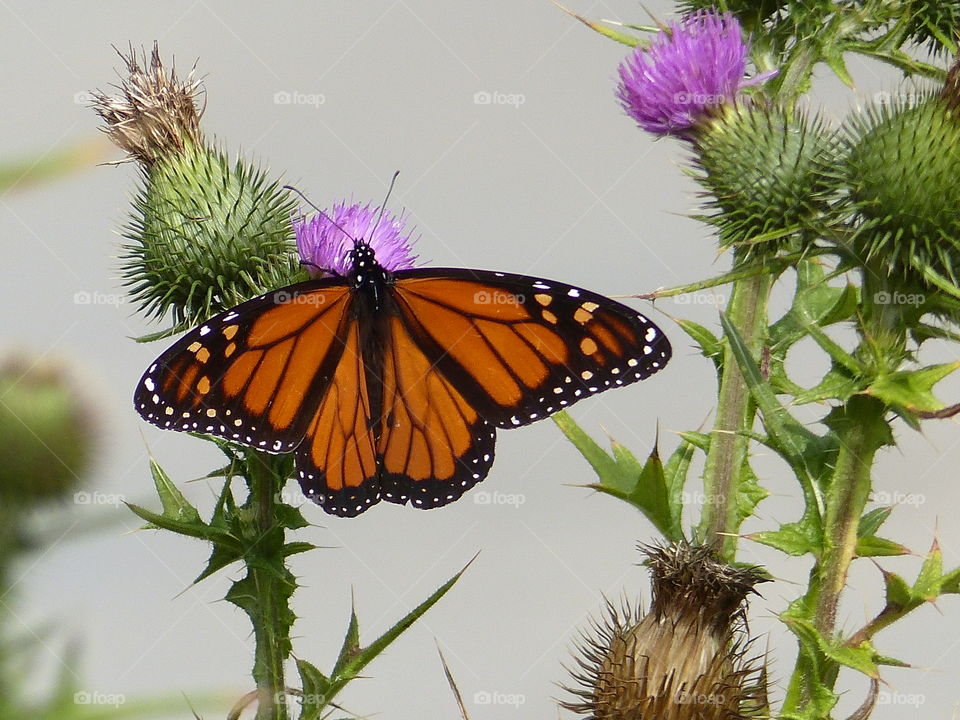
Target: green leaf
(175, 505)
(601, 462)
(898, 593)
(911, 391)
(711, 347)
(605, 30)
(873, 546)
(790, 438)
(221, 556)
(871, 521)
(354, 658)
(950, 583)
(316, 687)
(862, 658)
(835, 61)
(351, 643)
(749, 494)
(623, 476)
(797, 538)
(927, 586)
(675, 479)
(836, 384)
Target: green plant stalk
(845, 500)
(747, 312)
(273, 583)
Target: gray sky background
(561, 185)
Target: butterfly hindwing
(337, 463)
(252, 373)
(520, 348)
(434, 445)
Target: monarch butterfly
(391, 384)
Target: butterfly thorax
(367, 277)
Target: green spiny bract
(901, 168)
(765, 175)
(206, 234)
(935, 23)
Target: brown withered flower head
(155, 113)
(687, 658)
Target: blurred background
(513, 155)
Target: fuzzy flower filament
(325, 241)
(694, 67)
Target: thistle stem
(272, 584)
(845, 501)
(747, 312)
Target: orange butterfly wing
(400, 403)
(251, 374)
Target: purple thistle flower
(325, 241)
(697, 65)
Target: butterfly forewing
(251, 374)
(519, 348)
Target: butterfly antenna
(322, 212)
(393, 180)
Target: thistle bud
(765, 173)
(902, 162)
(687, 658)
(47, 432)
(205, 233)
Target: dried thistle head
(687, 658)
(155, 113)
(206, 232)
